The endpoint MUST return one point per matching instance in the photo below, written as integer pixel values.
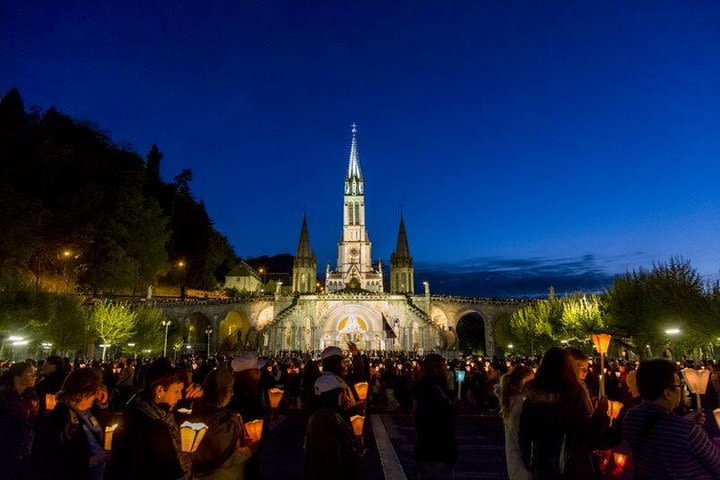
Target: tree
(537, 326)
(113, 324)
(149, 331)
(66, 325)
(582, 317)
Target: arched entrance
(237, 333)
(471, 333)
(358, 323)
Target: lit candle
(109, 436)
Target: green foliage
(112, 323)
(537, 326)
(149, 332)
(582, 316)
(64, 184)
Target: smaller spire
(303, 250)
(402, 250)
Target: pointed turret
(305, 264)
(402, 249)
(303, 250)
(402, 272)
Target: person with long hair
(555, 423)
(510, 391)
(17, 415)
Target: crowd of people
(124, 419)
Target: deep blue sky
(515, 138)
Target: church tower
(402, 272)
(354, 264)
(305, 264)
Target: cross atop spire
(354, 163)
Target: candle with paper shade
(191, 434)
(254, 429)
(50, 402)
(620, 460)
(614, 410)
(109, 436)
(602, 343)
(276, 396)
(358, 421)
(361, 388)
(697, 381)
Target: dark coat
(434, 422)
(61, 448)
(143, 448)
(549, 421)
(329, 453)
(16, 430)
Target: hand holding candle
(109, 436)
(254, 430)
(191, 434)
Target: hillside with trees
(78, 207)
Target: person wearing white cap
(329, 451)
(334, 366)
(247, 390)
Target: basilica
(354, 305)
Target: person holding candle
(52, 376)
(329, 437)
(224, 449)
(17, 416)
(665, 445)
(147, 443)
(555, 426)
(70, 439)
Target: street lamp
(166, 324)
(208, 332)
(181, 265)
(104, 347)
(672, 331)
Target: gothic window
(404, 280)
(357, 213)
(350, 214)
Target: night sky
(525, 143)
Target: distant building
(244, 278)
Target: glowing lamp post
(362, 390)
(104, 346)
(109, 436)
(191, 434)
(460, 377)
(208, 332)
(166, 324)
(602, 342)
(697, 382)
(50, 402)
(358, 422)
(614, 410)
(254, 430)
(275, 395)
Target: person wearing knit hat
(70, 439)
(329, 438)
(334, 365)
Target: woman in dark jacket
(70, 439)
(17, 414)
(147, 443)
(555, 427)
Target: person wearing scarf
(69, 442)
(147, 442)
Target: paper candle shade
(697, 380)
(50, 402)
(109, 436)
(601, 342)
(191, 434)
(460, 376)
(362, 390)
(614, 409)
(620, 460)
(357, 423)
(716, 413)
(254, 429)
(275, 395)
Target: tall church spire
(354, 163)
